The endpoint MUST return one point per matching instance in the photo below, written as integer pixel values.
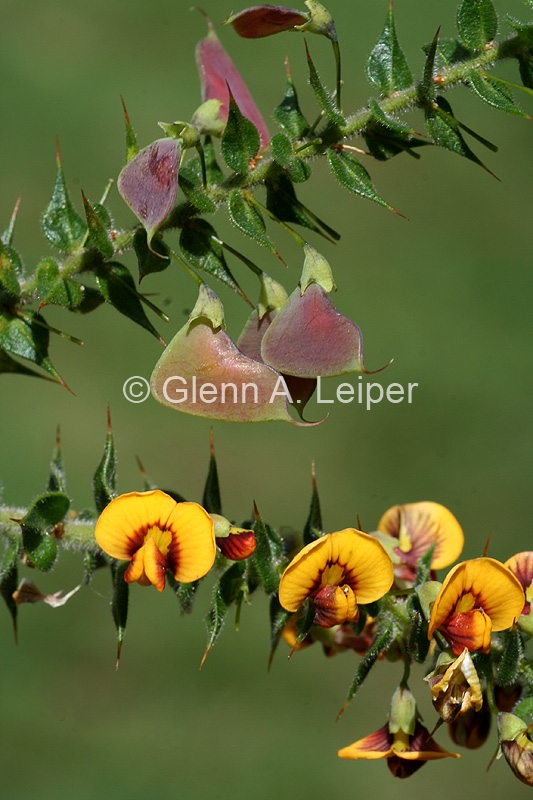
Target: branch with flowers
(375, 592)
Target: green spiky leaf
(353, 176)
(155, 258)
(324, 98)
(118, 288)
(98, 231)
(44, 513)
(387, 67)
(201, 247)
(267, 555)
(55, 289)
(288, 114)
(61, 224)
(105, 477)
(240, 142)
(283, 203)
(10, 271)
(27, 336)
(56, 477)
(493, 92)
(444, 130)
(119, 602)
(477, 23)
(229, 589)
(247, 218)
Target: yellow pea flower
(337, 572)
(477, 597)
(155, 534)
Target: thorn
(126, 115)
(207, 651)
(211, 442)
(141, 468)
(485, 549)
(109, 428)
(343, 709)
(119, 651)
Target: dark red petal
(259, 21)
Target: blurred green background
(448, 294)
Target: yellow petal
(375, 745)
(123, 524)
(494, 588)
(418, 525)
(346, 557)
(192, 551)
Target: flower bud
(259, 21)
(234, 543)
(516, 746)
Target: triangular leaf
(313, 528)
(104, 479)
(55, 289)
(323, 96)
(353, 176)
(477, 23)
(387, 67)
(199, 244)
(10, 269)
(267, 556)
(288, 114)
(61, 224)
(283, 203)
(248, 219)
(445, 132)
(27, 336)
(494, 93)
(211, 499)
(381, 644)
(230, 588)
(240, 142)
(155, 258)
(185, 592)
(119, 603)
(428, 89)
(56, 477)
(132, 148)
(44, 513)
(118, 287)
(98, 233)
(8, 364)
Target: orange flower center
(335, 605)
(149, 562)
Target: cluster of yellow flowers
(339, 572)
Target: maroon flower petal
(259, 21)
